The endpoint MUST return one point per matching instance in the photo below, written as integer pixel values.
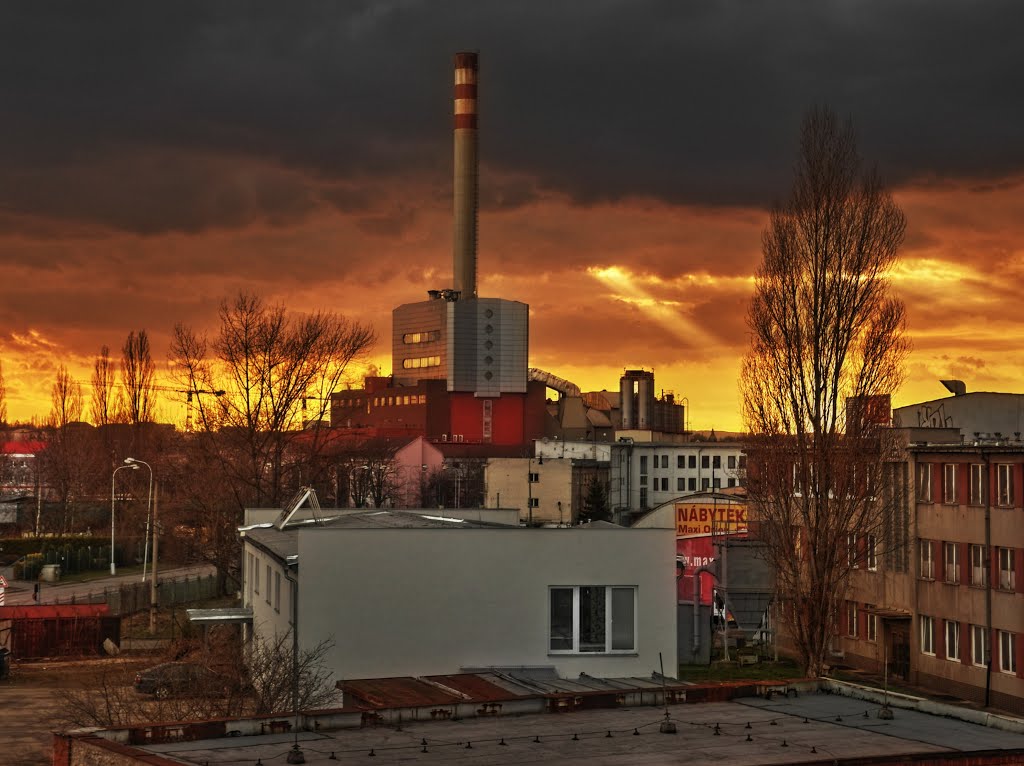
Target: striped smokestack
(465, 202)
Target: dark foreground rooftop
(815, 728)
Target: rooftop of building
(808, 727)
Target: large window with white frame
(927, 634)
(1004, 483)
(872, 620)
(977, 488)
(979, 567)
(927, 559)
(872, 553)
(952, 640)
(1007, 655)
(1007, 573)
(951, 562)
(851, 550)
(924, 482)
(592, 619)
(851, 619)
(949, 483)
(979, 645)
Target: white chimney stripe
(465, 106)
(465, 76)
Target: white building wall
(429, 601)
(270, 600)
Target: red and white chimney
(465, 198)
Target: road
(20, 592)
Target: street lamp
(113, 567)
(149, 507)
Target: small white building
(401, 593)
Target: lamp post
(113, 566)
(149, 507)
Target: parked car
(176, 679)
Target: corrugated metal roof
(482, 687)
(222, 615)
(50, 611)
(397, 692)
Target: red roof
(50, 611)
(397, 692)
(26, 447)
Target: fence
(130, 598)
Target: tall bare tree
(827, 348)
(67, 460)
(103, 402)
(137, 369)
(261, 392)
(3, 396)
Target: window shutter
(940, 561)
(940, 637)
(937, 480)
(963, 483)
(965, 643)
(965, 565)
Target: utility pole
(152, 582)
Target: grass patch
(732, 671)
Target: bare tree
(827, 348)
(103, 403)
(137, 369)
(67, 459)
(264, 430)
(3, 396)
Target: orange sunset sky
(156, 158)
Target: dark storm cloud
(182, 116)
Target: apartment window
(979, 646)
(592, 619)
(1007, 657)
(534, 502)
(732, 483)
(643, 497)
(872, 621)
(643, 480)
(277, 591)
(268, 584)
(643, 464)
(743, 461)
(924, 482)
(680, 461)
(927, 634)
(534, 477)
(664, 461)
(1007, 575)
(654, 462)
(732, 461)
(717, 483)
(705, 484)
(664, 484)
(949, 483)
(872, 551)
(951, 562)
(952, 640)
(256, 578)
(692, 461)
(680, 484)
(418, 362)
(251, 566)
(927, 560)
(421, 337)
(851, 550)
(977, 488)
(979, 572)
(705, 461)
(691, 485)
(1005, 483)
(851, 619)
(716, 461)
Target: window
(732, 483)
(418, 362)
(643, 480)
(277, 591)
(979, 572)
(1005, 483)
(872, 625)
(268, 584)
(743, 461)
(851, 619)
(534, 477)
(951, 562)
(680, 484)
(421, 337)
(256, 578)
(592, 619)
(872, 552)
(949, 483)
(952, 640)
(1007, 575)
(691, 485)
(643, 497)
(643, 464)
(851, 550)
(664, 461)
(927, 634)
(1007, 657)
(535, 502)
(977, 484)
(979, 645)
(717, 483)
(692, 461)
(705, 483)
(664, 484)
(716, 461)
(732, 461)
(705, 461)
(680, 461)
(927, 560)
(924, 482)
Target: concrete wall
(271, 605)
(505, 481)
(981, 412)
(429, 601)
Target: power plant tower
(465, 155)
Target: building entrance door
(899, 653)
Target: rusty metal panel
(478, 687)
(397, 692)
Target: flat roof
(815, 728)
